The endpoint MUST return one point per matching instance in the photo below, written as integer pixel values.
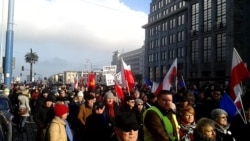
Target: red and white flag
(239, 73)
(76, 83)
(169, 78)
(127, 76)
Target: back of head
(203, 123)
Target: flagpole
(128, 88)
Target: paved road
(29, 133)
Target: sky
(73, 35)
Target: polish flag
(169, 79)
(127, 76)
(119, 92)
(239, 73)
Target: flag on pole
(228, 105)
(169, 79)
(127, 76)
(239, 73)
(91, 81)
(181, 83)
(119, 91)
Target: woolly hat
(217, 113)
(45, 90)
(61, 109)
(109, 94)
(80, 93)
(138, 101)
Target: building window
(194, 51)
(221, 47)
(180, 52)
(171, 54)
(150, 69)
(206, 50)
(195, 17)
(221, 13)
(207, 23)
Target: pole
(31, 64)
(9, 45)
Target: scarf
(188, 131)
(68, 131)
(111, 111)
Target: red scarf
(111, 111)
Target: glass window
(206, 49)
(221, 47)
(194, 52)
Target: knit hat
(109, 94)
(61, 109)
(45, 90)
(217, 113)
(138, 101)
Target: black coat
(43, 115)
(98, 127)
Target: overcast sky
(67, 33)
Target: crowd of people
(63, 113)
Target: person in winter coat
(187, 124)
(223, 131)
(43, 116)
(59, 128)
(98, 124)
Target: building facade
(134, 58)
(200, 33)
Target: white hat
(80, 93)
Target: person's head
(151, 98)
(217, 94)
(79, 96)
(130, 101)
(61, 110)
(45, 92)
(126, 126)
(165, 99)
(206, 127)
(220, 117)
(109, 97)
(139, 104)
(89, 99)
(136, 94)
(187, 115)
(49, 101)
(62, 93)
(98, 107)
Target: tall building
(200, 33)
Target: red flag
(169, 79)
(76, 83)
(239, 73)
(91, 81)
(127, 76)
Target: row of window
(207, 15)
(167, 40)
(164, 11)
(206, 49)
(166, 54)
